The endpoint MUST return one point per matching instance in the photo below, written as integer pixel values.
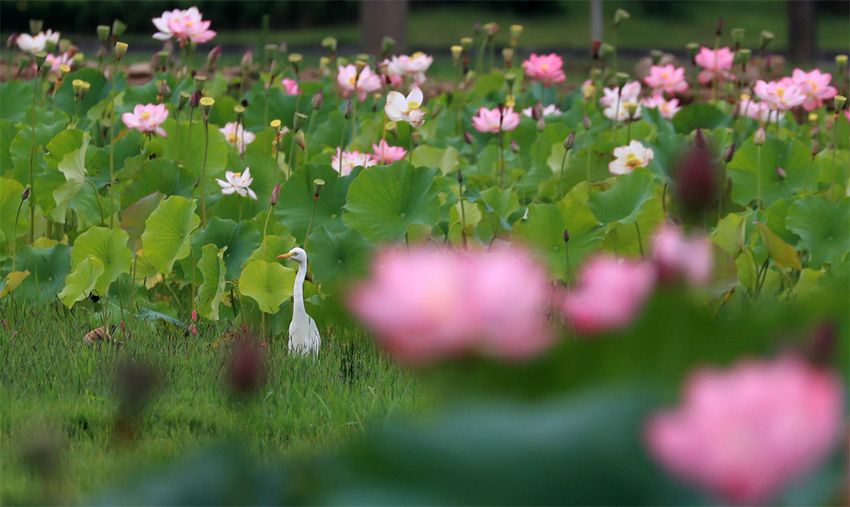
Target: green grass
(52, 379)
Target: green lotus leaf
(10, 200)
(82, 281)
(296, 200)
(15, 96)
(783, 254)
(133, 219)
(159, 175)
(446, 159)
(240, 239)
(107, 246)
(48, 268)
(624, 202)
(791, 155)
(704, 116)
(99, 90)
(269, 284)
(211, 291)
(336, 257)
(274, 246)
(384, 200)
(186, 146)
(823, 227)
(168, 232)
(73, 166)
(731, 233)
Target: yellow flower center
(665, 75)
(237, 175)
(545, 66)
(190, 23)
(352, 81)
(417, 54)
(412, 105)
(146, 116)
(814, 86)
(780, 92)
(632, 161)
(231, 138)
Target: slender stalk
(99, 205)
(640, 241)
(32, 157)
(561, 177)
(501, 159)
(310, 225)
(309, 133)
(112, 145)
(204, 172)
(462, 214)
(758, 176)
(15, 235)
(722, 191)
(588, 171)
(567, 254)
(354, 120)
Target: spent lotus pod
(693, 49)
(36, 25)
(295, 59)
(120, 50)
(330, 44)
(102, 33)
(466, 43)
(78, 60)
(318, 184)
(606, 50)
(656, 56)
(207, 105)
(468, 138)
(50, 45)
(118, 28)
(162, 58)
(759, 137)
(183, 98)
(737, 36)
(456, 51)
(387, 45)
(622, 78)
(508, 55)
(765, 38)
(839, 101)
(743, 56)
(516, 31)
(841, 61)
(64, 45)
(40, 57)
(619, 16)
(299, 121)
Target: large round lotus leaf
(543, 231)
(274, 246)
(704, 116)
(99, 90)
(384, 200)
(167, 232)
(789, 154)
(15, 96)
(823, 227)
(186, 145)
(296, 200)
(211, 291)
(107, 246)
(241, 239)
(335, 257)
(624, 202)
(82, 281)
(269, 284)
(48, 268)
(159, 175)
(133, 220)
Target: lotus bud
(25, 194)
(728, 153)
(35, 26)
(693, 49)
(619, 16)
(164, 90)
(780, 173)
(570, 141)
(120, 50)
(348, 110)
(247, 60)
(45, 69)
(318, 100)
(195, 100)
(699, 139)
(606, 50)
(212, 56)
(40, 56)
(514, 146)
(840, 100)
(183, 98)
(207, 105)
(360, 65)
(459, 177)
(719, 31)
(696, 183)
(298, 121)
(295, 59)
(537, 111)
(585, 122)
(387, 45)
(12, 41)
(765, 38)
(656, 56)
(759, 137)
(566, 236)
(841, 61)
(622, 78)
(587, 90)
(516, 31)
(468, 138)
(324, 61)
(299, 139)
(466, 43)
(275, 195)
(200, 82)
(508, 56)
(492, 29)
(737, 36)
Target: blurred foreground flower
(34, 43)
(609, 295)
(237, 135)
(345, 161)
(387, 154)
(147, 118)
(428, 304)
(630, 157)
(237, 182)
(290, 85)
(494, 120)
(745, 433)
(678, 257)
(183, 25)
(546, 68)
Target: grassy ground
(57, 389)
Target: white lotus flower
(32, 44)
(237, 182)
(401, 108)
(629, 157)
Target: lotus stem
(204, 171)
(640, 241)
(112, 145)
(32, 157)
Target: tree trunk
(802, 30)
(380, 18)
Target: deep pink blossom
(678, 257)
(783, 94)
(147, 118)
(747, 432)
(715, 64)
(815, 86)
(183, 25)
(609, 295)
(387, 154)
(493, 120)
(290, 85)
(666, 78)
(546, 68)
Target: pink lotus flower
(677, 257)
(56, 61)
(631, 93)
(609, 295)
(364, 84)
(183, 25)
(715, 64)
(666, 78)
(237, 136)
(35, 43)
(237, 182)
(759, 111)
(667, 108)
(290, 85)
(384, 153)
(414, 65)
(345, 161)
(746, 433)
(815, 86)
(588, 88)
(493, 120)
(549, 110)
(628, 158)
(546, 68)
(783, 94)
(147, 118)
(428, 304)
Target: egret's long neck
(298, 290)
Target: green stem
(99, 205)
(640, 241)
(204, 172)
(310, 225)
(501, 158)
(15, 235)
(758, 176)
(32, 157)
(561, 177)
(112, 145)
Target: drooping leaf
(731, 233)
(107, 246)
(10, 200)
(269, 284)
(211, 291)
(81, 282)
(11, 282)
(823, 227)
(134, 217)
(73, 166)
(168, 232)
(783, 254)
(625, 201)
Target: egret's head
(296, 254)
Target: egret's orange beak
(285, 256)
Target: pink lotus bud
(25, 194)
(514, 146)
(247, 60)
(12, 41)
(780, 173)
(195, 99)
(275, 194)
(318, 100)
(729, 153)
(760, 137)
(468, 138)
(697, 182)
(194, 315)
(677, 257)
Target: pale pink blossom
(183, 25)
(427, 304)
(344, 161)
(783, 94)
(493, 120)
(666, 78)
(237, 182)
(57, 61)
(631, 93)
(549, 110)
(748, 432)
(667, 108)
(546, 68)
(609, 295)
(588, 88)
(147, 118)
(364, 84)
(290, 85)
(237, 135)
(38, 42)
(414, 66)
(678, 257)
(628, 158)
(815, 86)
(401, 108)
(759, 111)
(715, 64)
(384, 153)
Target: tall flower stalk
(38, 59)
(207, 105)
(120, 49)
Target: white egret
(303, 333)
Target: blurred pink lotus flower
(183, 25)
(666, 78)
(368, 82)
(747, 432)
(237, 136)
(344, 161)
(384, 153)
(401, 108)
(609, 295)
(414, 65)
(783, 94)
(34, 43)
(493, 120)
(588, 88)
(546, 68)
(678, 257)
(56, 61)
(631, 93)
(147, 118)
(428, 304)
(237, 182)
(549, 110)
(630, 157)
(715, 64)
(667, 108)
(290, 85)
(815, 86)
(759, 111)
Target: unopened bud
(12, 41)
(318, 100)
(566, 236)
(585, 122)
(780, 173)
(120, 49)
(541, 124)
(299, 139)
(728, 153)
(492, 28)
(164, 90)
(841, 61)
(194, 315)
(700, 140)
(719, 31)
(102, 33)
(759, 137)
(25, 194)
(275, 195)
(207, 104)
(570, 141)
(514, 146)
(36, 26)
(459, 176)
(348, 110)
(212, 56)
(275, 68)
(247, 60)
(468, 138)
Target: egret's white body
(303, 333)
